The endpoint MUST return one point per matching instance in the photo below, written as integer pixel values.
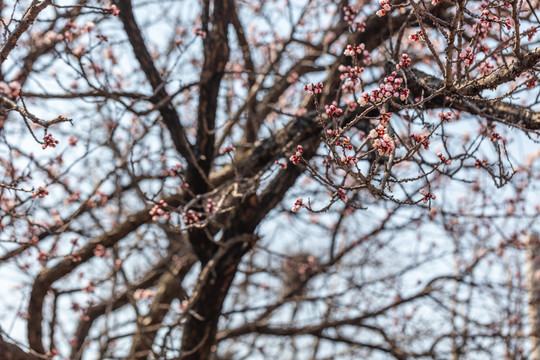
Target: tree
(267, 179)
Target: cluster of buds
(382, 140)
(174, 171)
(532, 31)
(101, 251)
(531, 83)
(350, 160)
(293, 77)
(296, 157)
(345, 142)
(421, 139)
(227, 150)
(49, 141)
(101, 198)
(385, 117)
(493, 135)
(351, 76)
(42, 257)
(11, 89)
(72, 141)
(405, 62)
(333, 110)
(480, 164)
(467, 56)
(390, 88)
(327, 160)
(331, 132)
(495, 19)
(40, 193)
(298, 205)
(352, 50)
(385, 7)
(114, 10)
(158, 211)
(350, 14)
(91, 287)
(486, 68)
(349, 87)
(313, 89)
(444, 159)
(191, 217)
(144, 294)
(445, 116)
(199, 32)
(74, 197)
(417, 36)
(350, 72)
(210, 206)
(427, 196)
(342, 195)
(282, 164)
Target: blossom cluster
(382, 140)
(467, 56)
(114, 10)
(350, 75)
(191, 217)
(40, 193)
(486, 68)
(352, 50)
(282, 164)
(421, 139)
(199, 32)
(158, 211)
(174, 171)
(427, 196)
(342, 195)
(444, 159)
(298, 205)
(405, 62)
(531, 32)
(349, 16)
(350, 72)
(49, 141)
(445, 116)
(350, 160)
(385, 7)
(101, 251)
(485, 23)
(210, 206)
(385, 117)
(144, 294)
(227, 149)
(345, 142)
(531, 82)
(333, 110)
(493, 135)
(417, 36)
(390, 87)
(11, 89)
(480, 164)
(296, 157)
(313, 89)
